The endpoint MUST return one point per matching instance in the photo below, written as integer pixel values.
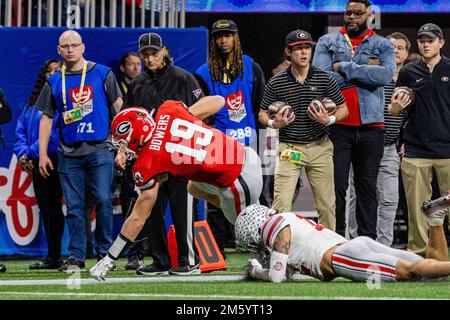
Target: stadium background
(262, 25)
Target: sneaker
(47, 263)
(186, 270)
(2, 268)
(71, 265)
(134, 263)
(152, 270)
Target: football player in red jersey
(177, 143)
(297, 244)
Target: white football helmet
(248, 224)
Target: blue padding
(24, 51)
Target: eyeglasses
(358, 14)
(67, 46)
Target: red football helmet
(131, 129)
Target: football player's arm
(142, 208)
(207, 106)
(278, 259)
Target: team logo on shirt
(197, 93)
(236, 106)
(444, 78)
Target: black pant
(128, 197)
(174, 191)
(48, 196)
(363, 147)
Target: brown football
(408, 91)
(324, 103)
(279, 106)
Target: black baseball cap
(298, 37)
(150, 40)
(431, 30)
(224, 25)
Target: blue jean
(98, 168)
(363, 147)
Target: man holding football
(304, 139)
(296, 244)
(426, 133)
(176, 143)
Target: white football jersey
(309, 241)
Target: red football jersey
(185, 147)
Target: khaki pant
(317, 159)
(417, 175)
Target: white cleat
(101, 269)
(436, 210)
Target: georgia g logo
(123, 128)
(302, 35)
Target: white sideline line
(132, 280)
(200, 296)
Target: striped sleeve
(269, 96)
(392, 124)
(271, 228)
(333, 92)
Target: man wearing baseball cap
(240, 80)
(426, 134)
(162, 81)
(304, 138)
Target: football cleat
(436, 210)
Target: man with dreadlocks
(240, 80)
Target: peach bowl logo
(18, 203)
(235, 106)
(85, 96)
(235, 100)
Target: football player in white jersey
(297, 244)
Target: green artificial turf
(217, 290)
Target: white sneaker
(99, 271)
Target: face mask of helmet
(248, 227)
(131, 129)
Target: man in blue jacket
(362, 63)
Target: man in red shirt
(362, 63)
(176, 143)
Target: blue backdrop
(424, 6)
(24, 51)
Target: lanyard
(350, 43)
(83, 78)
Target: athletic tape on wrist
(118, 246)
